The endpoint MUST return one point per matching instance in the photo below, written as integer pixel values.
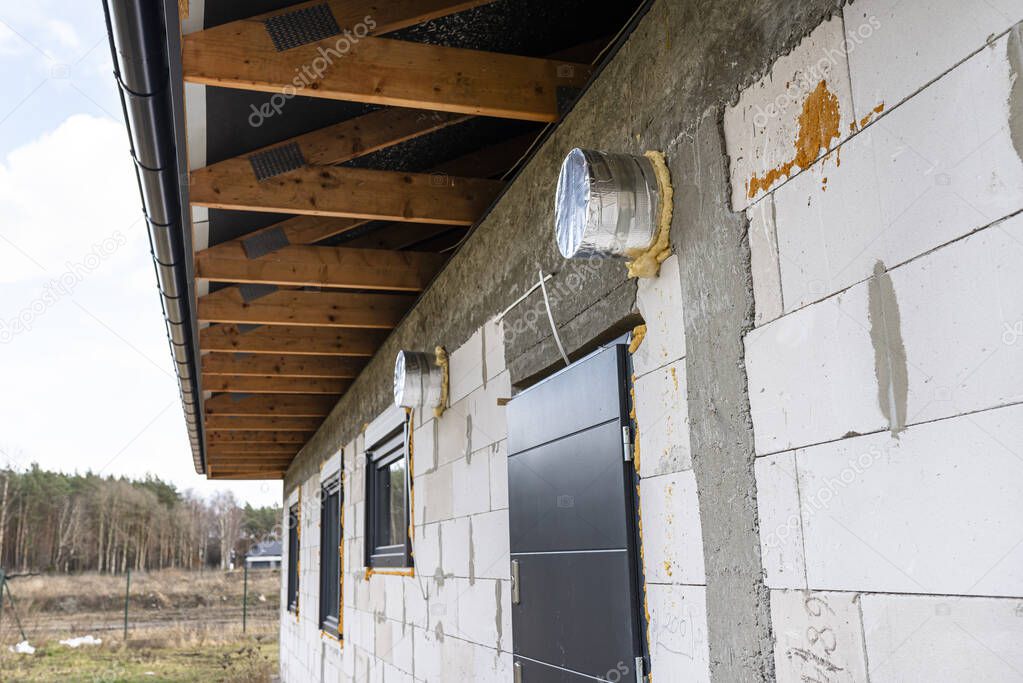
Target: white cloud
(10, 43)
(90, 385)
(62, 194)
(63, 32)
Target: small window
(387, 502)
(330, 556)
(293, 546)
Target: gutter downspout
(138, 46)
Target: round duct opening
(606, 204)
(418, 380)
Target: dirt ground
(182, 626)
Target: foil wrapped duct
(606, 204)
(418, 380)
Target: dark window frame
(331, 500)
(379, 457)
(294, 547)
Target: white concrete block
(458, 660)
(489, 420)
(905, 184)
(672, 536)
(679, 649)
(763, 244)
(454, 546)
(454, 433)
(660, 303)
(934, 638)
(492, 666)
(781, 528)
(416, 595)
(466, 367)
(493, 348)
(477, 610)
(901, 46)
(394, 674)
(498, 454)
(442, 606)
(490, 545)
(426, 665)
(935, 511)
(961, 311)
(662, 417)
(433, 495)
(762, 129)
(424, 447)
(401, 653)
(426, 548)
(818, 637)
(383, 639)
(394, 595)
(811, 375)
(471, 484)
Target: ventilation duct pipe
(606, 204)
(418, 380)
(138, 45)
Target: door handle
(515, 596)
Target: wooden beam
(273, 475)
(243, 449)
(269, 405)
(223, 437)
(344, 267)
(266, 365)
(267, 424)
(243, 460)
(246, 467)
(281, 339)
(296, 230)
(274, 385)
(345, 192)
(361, 135)
(316, 309)
(379, 71)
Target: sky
(88, 382)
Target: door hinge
(515, 596)
(627, 442)
(640, 676)
(517, 669)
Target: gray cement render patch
(1015, 54)
(890, 367)
(717, 297)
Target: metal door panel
(575, 611)
(538, 672)
(567, 494)
(547, 415)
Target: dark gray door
(574, 570)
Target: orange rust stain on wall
(818, 126)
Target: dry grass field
(182, 626)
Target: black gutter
(138, 45)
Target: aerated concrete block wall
(886, 366)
